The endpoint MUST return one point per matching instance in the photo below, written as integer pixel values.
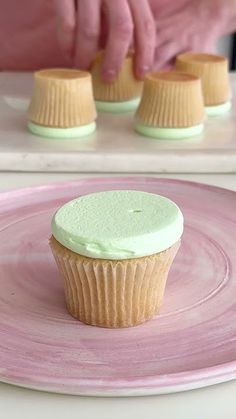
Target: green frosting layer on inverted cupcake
(168, 133)
(117, 107)
(118, 224)
(218, 110)
(61, 133)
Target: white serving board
(115, 147)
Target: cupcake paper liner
(171, 100)
(62, 98)
(110, 293)
(213, 72)
(125, 87)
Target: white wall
(224, 45)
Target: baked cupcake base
(168, 133)
(113, 293)
(218, 110)
(118, 107)
(61, 133)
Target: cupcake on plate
(213, 72)
(171, 106)
(114, 250)
(122, 95)
(62, 104)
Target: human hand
(128, 22)
(192, 25)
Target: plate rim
(149, 388)
(96, 179)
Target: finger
(120, 32)
(65, 19)
(167, 35)
(88, 32)
(165, 55)
(170, 28)
(104, 27)
(145, 36)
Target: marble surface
(115, 147)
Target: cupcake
(213, 72)
(62, 104)
(171, 106)
(122, 95)
(114, 250)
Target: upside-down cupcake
(123, 94)
(213, 72)
(171, 106)
(62, 104)
(114, 250)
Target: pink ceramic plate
(191, 344)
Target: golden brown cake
(213, 72)
(171, 104)
(113, 293)
(121, 95)
(62, 101)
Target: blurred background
(227, 46)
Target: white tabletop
(215, 402)
(115, 147)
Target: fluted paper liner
(171, 100)
(213, 72)
(111, 293)
(125, 87)
(62, 98)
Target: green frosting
(61, 133)
(218, 109)
(168, 133)
(118, 224)
(118, 107)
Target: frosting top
(120, 224)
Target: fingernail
(109, 75)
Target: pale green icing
(168, 133)
(218, 109)
(118, 107)
(118, 224)
(62, 133)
